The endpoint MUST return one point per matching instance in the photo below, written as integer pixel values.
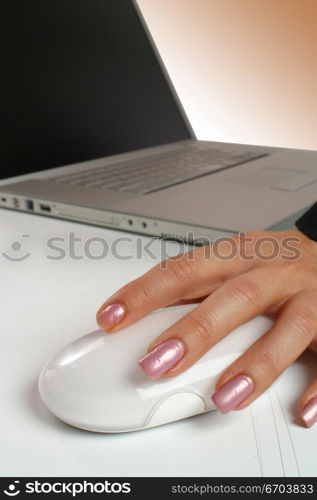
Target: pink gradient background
(245, 70)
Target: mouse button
(78, 350)
(176, 407)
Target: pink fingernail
(162, 358)
(309, 412)
(232, 393)
(111, 316)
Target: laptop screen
(79, 81)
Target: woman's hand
(232, 280)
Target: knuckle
(270, 362)
(182, 269)
(244, 238)
(288, 267)
(304, 321)
(140, 292)
(202, 327)
(246, 290)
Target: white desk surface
(46, 304)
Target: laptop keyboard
(154, 172)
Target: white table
(47, 303)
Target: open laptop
(91, 121)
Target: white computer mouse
(95, 383)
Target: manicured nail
(111, 316)
(309, 413)
(162, 358)
(232, 393)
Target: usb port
(45, 208)
(16, 202)
(29, 204)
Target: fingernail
(309, 413)
(232, 393)
(162, 358)
(111, 316)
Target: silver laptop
(91, 122)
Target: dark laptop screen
(79, 80)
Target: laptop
(93, 131)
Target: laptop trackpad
(284, 179)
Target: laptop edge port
(45, 208)
(29, 204)
(16, 202)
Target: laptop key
(154, 172)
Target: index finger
(191, 275)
